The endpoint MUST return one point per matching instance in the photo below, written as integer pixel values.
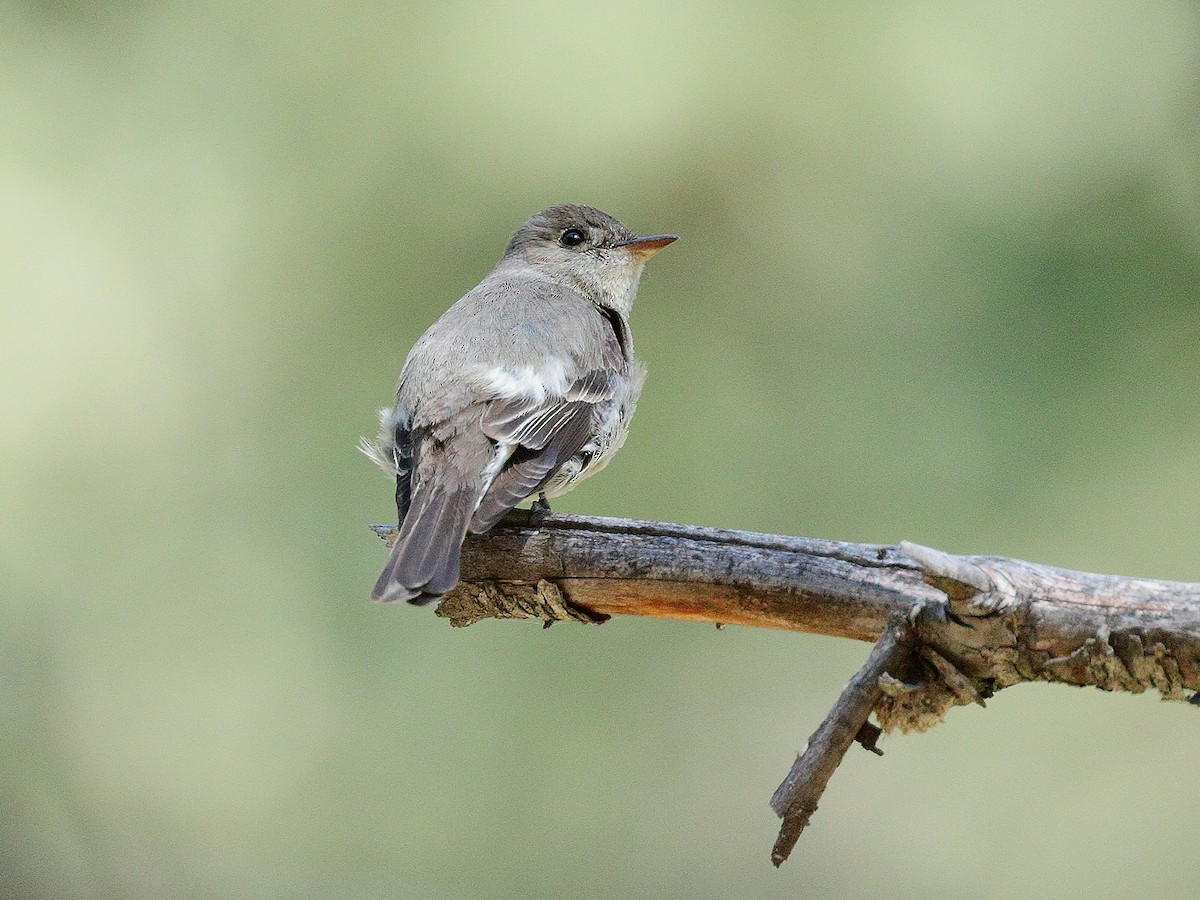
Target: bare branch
(795, 800)
(972, 625)
(999, 621)
(627, 567)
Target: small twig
(972, 589)
(953, 575)
(867, 735)
(795, 800)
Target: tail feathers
(424, 562)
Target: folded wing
(544, 434)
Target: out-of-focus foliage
(938, 280)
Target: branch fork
(905, 681)
(948, 630)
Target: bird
(521, 389)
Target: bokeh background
(939, 280)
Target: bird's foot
(539, 510)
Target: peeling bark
(956, 628)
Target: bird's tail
(424, 562)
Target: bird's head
(587, 249)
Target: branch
(795, 800)
(627, 567)
(972, 624)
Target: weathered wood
(795, 800)
(627, 567)
(1024, 621)
(1106, 631)
(955, 628)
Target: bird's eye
(572, 237)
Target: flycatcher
(521, 389)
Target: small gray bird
(521, 389)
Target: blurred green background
(939, 280)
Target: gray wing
(547, 434)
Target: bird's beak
(646, 247)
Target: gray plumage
(522, 388)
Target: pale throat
(614, 286)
